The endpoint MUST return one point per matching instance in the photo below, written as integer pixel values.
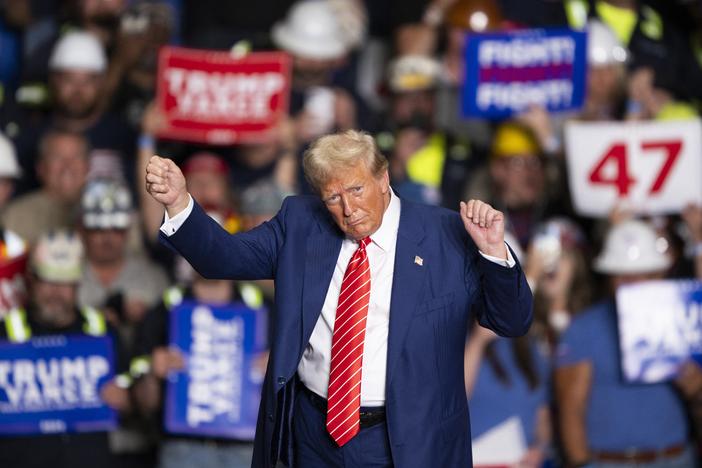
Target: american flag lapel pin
(418, 260)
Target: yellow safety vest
(622, 21)
(19, 331)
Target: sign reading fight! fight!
(216, 98)
(660, 326)
(218, 392)
(52, 384)
(507, 72)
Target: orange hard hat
(475, 15)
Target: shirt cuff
(171, 225)
(509, 263)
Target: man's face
(105, 246)
(520, 180)
(413, 107)
(54, 302)
(209, 189)
(64, 167)
(357, 200)
(605, 83)
(76, 92)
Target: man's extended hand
(486, 226)
(166, 183)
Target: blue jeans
(183, 453)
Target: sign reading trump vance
(218, 392)
(215, 98)
(52, 384)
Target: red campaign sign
(12, 284)
(216, 98)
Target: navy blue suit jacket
(431, 306)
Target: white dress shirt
(313, 368)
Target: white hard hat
(412, 73)
(8, 159)
(352, 18)
(603, 46)
(78, 50)
(632, 247)
(311, 30)
(58, 257)
(106, 204)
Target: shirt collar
(386, 235)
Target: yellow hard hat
(513, 139)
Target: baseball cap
(205, 161)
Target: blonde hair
(343, 150)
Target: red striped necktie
(344, 395)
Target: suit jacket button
(270, 416)
(281, 380)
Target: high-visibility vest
(622, 22)
(426, 166)
(19, 331)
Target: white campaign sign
(648, 167)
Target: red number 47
(617, 154)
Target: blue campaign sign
(219, 391)
(660, 326)
(52, 384)
(507, 72)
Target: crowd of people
(78, 124)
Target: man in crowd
(62, 168)
(604, 420)
(53, 309)
(106, 216)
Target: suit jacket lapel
(408, 279)
(322, 252)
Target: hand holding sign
(115, 396)
(689, 379)
(164, 360)
(166, 183)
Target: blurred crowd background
(78, 124)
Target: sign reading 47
(651, 167)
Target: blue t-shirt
(620, 415)
(493, 401)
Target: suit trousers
(314, 447)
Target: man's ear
(385, 181)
